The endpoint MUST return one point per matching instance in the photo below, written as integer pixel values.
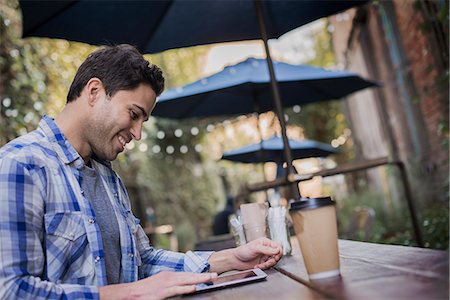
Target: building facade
(404, 45)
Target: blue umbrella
(245, 88)
(271, 150)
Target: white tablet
(241, 277)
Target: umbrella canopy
(271, 150)
(154, 26)
(245, 88)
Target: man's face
(118, 120)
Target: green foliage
(323, 121)
(185, 233)
(180, 66)
(388, 226)
(162, 240)
(35, 74)
(392, 224)
(435, 226)
(22, 78)
(441, 79)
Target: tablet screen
(241, 277)
(222, 279)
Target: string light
(170, 149)
(156, 149)
(194, 131)
(184, 149)
(143, 147)
(23, 131)
(178, 133)
(160, 135)
(37, 105)
(131, 145)
(11, 113)
(28, 117)
(6, 102)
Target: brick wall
(365, 31)
(424, 71)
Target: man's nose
(136, 130)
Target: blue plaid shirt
(50, 243)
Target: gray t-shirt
(94, 191)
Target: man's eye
(134, 115)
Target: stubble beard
(100, 140)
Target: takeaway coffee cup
(316, 230)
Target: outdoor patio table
(369, 271)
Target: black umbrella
(154, 26)
(271, 150)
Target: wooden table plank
(376, 271)
(277, 286)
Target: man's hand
(260, 253)
(160, 286)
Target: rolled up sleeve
(154, 261)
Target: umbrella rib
(56, 13)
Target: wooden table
(368, 271)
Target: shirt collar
(62, 146)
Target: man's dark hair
(119, 67)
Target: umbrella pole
(276, 97)
(261, 143)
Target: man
(66, 228)
(220, 222)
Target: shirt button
(131, 255)
(115, 194)
(82, 192)
(91, 221)
(97, 259)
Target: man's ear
(94, 89)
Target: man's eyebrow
(143, 112)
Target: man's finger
(179, 290)
(268, 250)
(264, 258)
(270, 243)
(186, 278)
(269, 263)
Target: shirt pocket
(69, 258)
